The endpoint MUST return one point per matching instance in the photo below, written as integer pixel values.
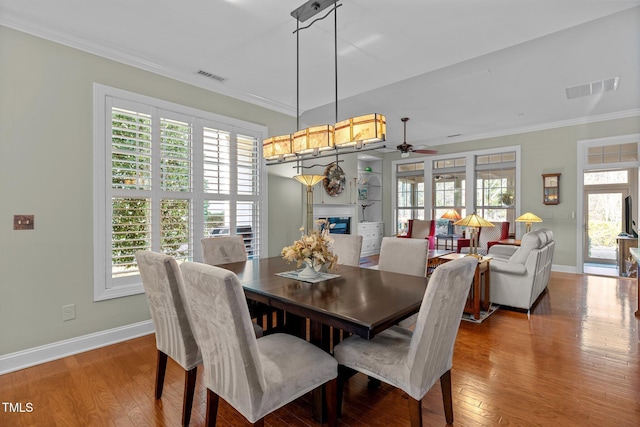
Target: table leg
(476, 294)
(320, 336)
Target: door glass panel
(604, 222)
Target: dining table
(354, 300)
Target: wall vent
(211, 75)
(592, 88)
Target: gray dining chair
(162, 282)
(255, 376)
(223, 249)
(407, 256)
(348, 248)
(414, 360)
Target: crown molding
(105, 51)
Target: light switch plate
(23, 222)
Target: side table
(479, 295)
(447, 238)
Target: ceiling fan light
(404, 155)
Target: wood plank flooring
(574, 362)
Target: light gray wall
(46, 170)
(546, 151)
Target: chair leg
(189, 390)
(331, 397)
(344, 373)
(212, 408)
(415, 411)
(447, 400)
(161, 368)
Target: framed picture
(362, 194)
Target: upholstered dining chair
(227, 249)
(255, 376)
(348, 248)
(413, 361)
(223, 249)
(162, 281)
(408, 256)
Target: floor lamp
(309, 181)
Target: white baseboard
(564, 268)
(57, 350)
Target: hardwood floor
(574, 362)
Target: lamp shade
(309, 180)
(276, 146)
(313, 138)
(473, 220)
(364, 129)
(528, 217)
(452, 215)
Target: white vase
(309, 272)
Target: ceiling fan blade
(426, 151)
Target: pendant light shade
(362, 129)
(276, 146)
(313, 139)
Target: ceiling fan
(405, 149)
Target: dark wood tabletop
(361, 301)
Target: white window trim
(102, 289)
(470, 182)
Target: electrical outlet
(68, 312)
(23, 222)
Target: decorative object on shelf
(309, 181)
(313, 250)
(452, 215)
(528, 218)
(368, 169)
(362, 194)
(551, 188)
(348, 135)
(473, 222)
(363, 208)
(405, 148)
(334, 180)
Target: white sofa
(520, 274)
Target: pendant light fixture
(345, 136)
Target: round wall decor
(335, 180)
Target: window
(496, 187)
(449, 182)
(166, 176)
(409, 194)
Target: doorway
(604, 194)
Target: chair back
(407, 256)
(162, 281)
(431, 348)
(421, 228)
(348, 248)
(224, 331)
(223, 249)
(499, 231)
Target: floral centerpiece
(313, 250)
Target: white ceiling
(476, 68)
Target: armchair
(487, 237)
(519, 280)
(422, 229)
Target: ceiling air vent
(211, 75)
(592, 88)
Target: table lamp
(452, 215)
(473, 222)
(528, 218)
(309, 181)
